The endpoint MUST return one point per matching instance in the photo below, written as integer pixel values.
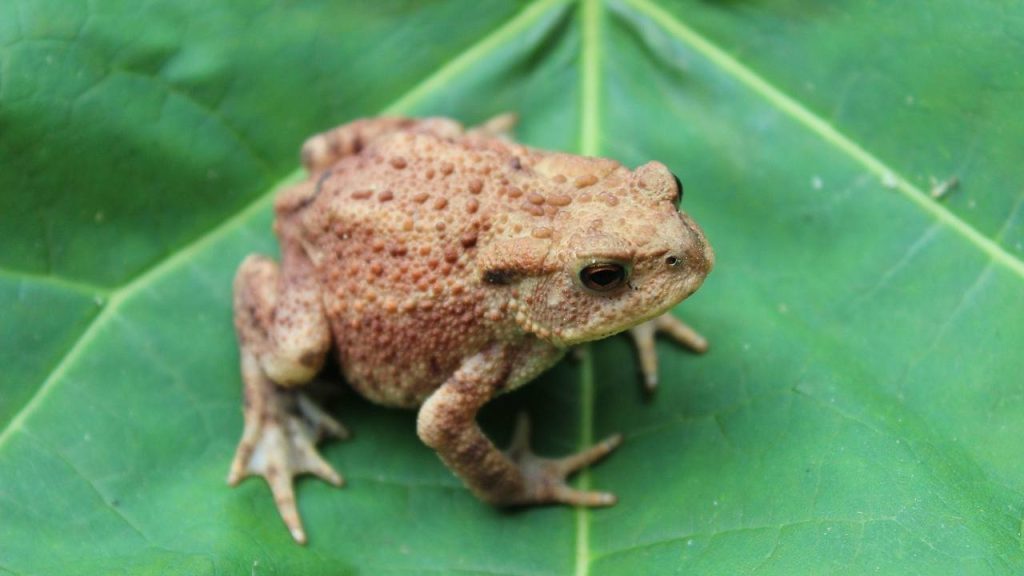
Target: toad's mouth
(633, 322)
(576, 336)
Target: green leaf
(862, 404)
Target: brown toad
(446, 266)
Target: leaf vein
(56, 281)
(908, 256)
(965, 300)
(92, 486)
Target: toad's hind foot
(545, 478)
(282, 428)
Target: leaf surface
(860, 409)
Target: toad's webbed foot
(643, 338)
(544, 479)
(282, 428)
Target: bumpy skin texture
(444, 267)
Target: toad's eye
(679, 186)
(603, 277)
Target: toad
(442, 266)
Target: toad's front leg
(283, 337)
(447, 423)
(643, 338)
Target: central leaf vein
(590, 136)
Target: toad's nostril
(672, 261)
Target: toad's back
(395, 231)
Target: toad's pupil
(604, 277)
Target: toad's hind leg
(322, 150)
(284, 338)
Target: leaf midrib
(589, 145)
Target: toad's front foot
(282, 428)
(544, 479)
(643, 338)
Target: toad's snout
(697, 256)
(703, 257)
